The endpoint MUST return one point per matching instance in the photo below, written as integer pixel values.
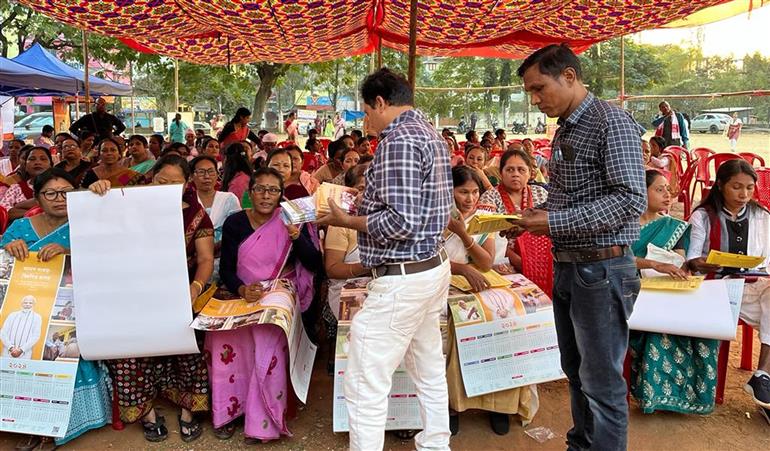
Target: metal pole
(412, 75)
(176, 86)
(622, 72)
(85, 72)
(133, 112)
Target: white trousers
(733, 144)
(399, 321)
(755, 307)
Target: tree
(601, 67)
(269, 74)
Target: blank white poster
(129, 270)
(702, 313)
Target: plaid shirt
(408, 196)
(597, 189)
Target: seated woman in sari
(513, 195)
(468, 256)
(729, 220)
(236, 169)
(72, 159)
(48, 234)
(257, 247)
(218, 204)
(300, 183)
(669, 372)
(140, 159)
(182, 379)
(109, 167)
(20, 197)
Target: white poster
(130, 273)
(703, 313)
(506, 337)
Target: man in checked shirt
(597, 193)
(405, 209)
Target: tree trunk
(268, 75)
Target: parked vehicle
(519, 128)
(710, 122)
(202, 126)
(31, 125)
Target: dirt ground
(735, 425)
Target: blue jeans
(592, 303)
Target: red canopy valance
(303, 31)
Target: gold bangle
(468, 247)
(198, 284)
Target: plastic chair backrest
(3, 219)
(680, 152)
(542, 142)
(762, 188)
(684, 193)
(751, 158)
(536, 260)
(718, 159)
(325, 142)
(701, 154)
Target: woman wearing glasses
(256, 247)
(48, 234)
(218, 204)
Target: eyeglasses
(261, 189)
(52, 195)
(69, 146)
(205, 172)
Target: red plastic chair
(717, 159)
(700, 155)
(681, 153)
(684, 194)
(542, 142)
(747, 339)
(283, 144)
(762, 188)
(752, 158)
(3, 219)
(536, 260)
(325, 142)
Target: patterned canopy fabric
(303, 31)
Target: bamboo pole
(379, 53)
(412, 75)
(133, 112)
(622, 72)
(176, 86)
(85, 71)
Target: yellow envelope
(729, 260)
(494, 279)
(490, 223)
(667, 283)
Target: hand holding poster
(130, 269)
(39, 356)
(226, 311)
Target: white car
(710, 122)
(202, 126)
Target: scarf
(674, 127)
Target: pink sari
(248, 366)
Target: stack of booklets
(490, 223)
(307, 209)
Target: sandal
(405, 434)
(252, 441)
(225, 432)
(194, 429)
(157, 431)
(28, 443)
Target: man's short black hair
(47, 129)
(391, 86)
(552, 60)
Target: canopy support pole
(379, 54)
(622, 72)
(412, 75)
(85, 71)
(133, 112)
(176, 85)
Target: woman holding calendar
(469, 256)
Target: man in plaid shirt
(405, 209)
(597, 194)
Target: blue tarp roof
(20, 80)
(352, 115)
(41, 59)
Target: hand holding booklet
(494, 279)
(490, 223)
(307, 209)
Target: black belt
(403, 269)
(589, 255)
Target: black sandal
(157, 431)
(405, 434)
(194, 429)
(28, 443)
(225, 432)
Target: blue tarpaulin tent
(20, 80)
(351, 115)
(41, 59)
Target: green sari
(671, 372)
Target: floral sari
(248, 366)
(671, 372)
